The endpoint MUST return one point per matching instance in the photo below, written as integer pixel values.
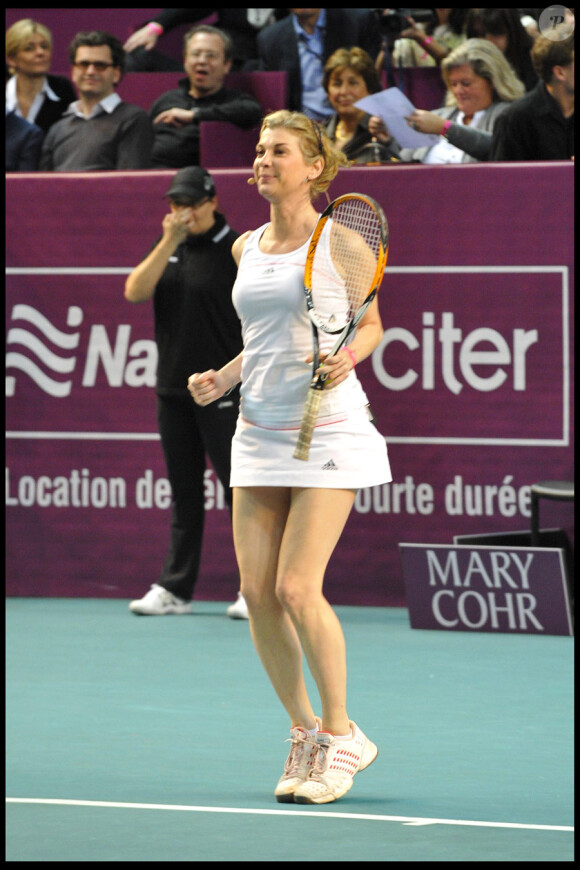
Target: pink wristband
(155, 28)
(428, 40)
(351, 354)
(445, 129)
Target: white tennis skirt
(347, 452)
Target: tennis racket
(344, 267)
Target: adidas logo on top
(330, 466)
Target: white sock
(314, 730)
(343, 736)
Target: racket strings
(360, 217)
(357, 245)
(328, 285)
(345, 263)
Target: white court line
(405, 820)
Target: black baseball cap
(194, 182)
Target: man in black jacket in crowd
(540, 125)
(177, 114)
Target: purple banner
(475, 340)
(471, 386)
(513, 590)
(64, 23)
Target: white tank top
(268, 296)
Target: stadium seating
(422, 85)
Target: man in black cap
(189, 274)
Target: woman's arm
(207, 387)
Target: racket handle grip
(309, 416)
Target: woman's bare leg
(259, 518)
(284, 540)
(316, 519)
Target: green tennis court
(160, 739)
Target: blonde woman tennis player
(289, 515)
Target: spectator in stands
(243, 25)
(426, 44)
(540, 126)
(480, 86)
(100, 131)
(31, 92)
(302, 43)
(23, 144)
(504, 28)
(530, 22)
(177, 114)
(350, 75)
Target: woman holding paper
(349, 76)
(480, 86)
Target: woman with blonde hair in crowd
(480, 86)
(31, 92)
(288, 515)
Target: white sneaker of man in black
(239, 609)
(159, 602)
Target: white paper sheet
(392, 106)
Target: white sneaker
(298, 764)
(239, 609)
(159, 602)
(336, 763)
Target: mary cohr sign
(514, 590)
